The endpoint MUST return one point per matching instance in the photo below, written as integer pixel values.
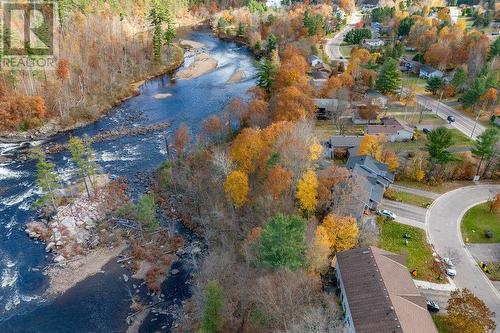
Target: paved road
(333, 44)
(406, 214)
(443, 231)
(463, 123)
(422, 193)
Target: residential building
(378, 293)
(325, 107)
(341, 143)
(375, 97)
(427, 71)
(375, 176)
(410, 66)
(395, 130)
(315, 61)
(373, 43)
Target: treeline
(103, 46)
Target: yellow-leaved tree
(315, 151)
(338, 233)
(247, 148)
(307, 191)
(372, 145)
(237, 188)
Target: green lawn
(460, 139)
(476, 221)
(493, 271)
(413, 199)
(442, 324)
(439, 188)
(418, 251)
(345, 49)
(420, 139)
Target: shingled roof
(380, 293)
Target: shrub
(390, 194)
(489, 234)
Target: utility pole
(475, 124)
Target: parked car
(433, 306)
(426, 130)
(450, 268)
(387, 213)
(451, 119)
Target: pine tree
(438, 143)
(265, 74)
(282, 242)
(46, 178)
(84, 158)
(484, 147)
(389, 79)
(212, 314)
(156, 18)
(170, 33)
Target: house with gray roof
(341, 142)
(378, 294)
(375, 176)
(395, 130)
(427, 72)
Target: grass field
(439, 188)
(345, 49)
(442, 324)
(493, 271)
(476, 221)
(419, 253)
(413, 199)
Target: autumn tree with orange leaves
(467, 313)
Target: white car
(387, 213)
(450, 268)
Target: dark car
(451, 119)
(426, 130)
(433, 306)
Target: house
(315, 61)
(394, 130)
(378, 294)
(375, 176)
(427, 71)
(373, 43)
(358, 120)
(375, 97)
(341, 142)
(325, 107)
(321, 71)
(273, 3)
(410, 66)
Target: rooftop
(389, 126)
(381, 294)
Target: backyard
(418, 251)
(477, 221)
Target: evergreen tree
(484, 147)
(494, 49)
(405, 26)
(282, 242)
(46, 178)
(433, 84)
(459, 79)
(156, 18)
(272, 43)
(266, 71)
(212, 314)
(389, 78)
(438, 143)
(170, 33)
(241, 30)
(84, 158)
(145, 212)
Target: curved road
(443, 231)
(333, 44)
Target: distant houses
(373, 43)
(375, 176)
(378, 294)
(427, 72)
(393, 129)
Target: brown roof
(381, 294)
(390, 126)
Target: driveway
(443, 231)
(463, 123)
(485, 252)
(406, 214)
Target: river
(101, 303)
